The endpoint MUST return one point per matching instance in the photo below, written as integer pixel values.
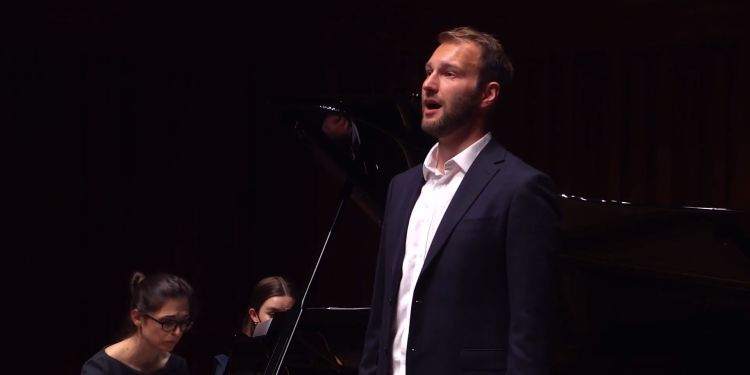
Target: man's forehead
(459, 53)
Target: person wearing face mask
(159, 315)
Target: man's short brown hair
(494, 65)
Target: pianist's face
(163, 329)
(272, 306)
(450, 98)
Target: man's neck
(452, 144)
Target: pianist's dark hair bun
(148, 294)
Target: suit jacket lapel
(485, 166)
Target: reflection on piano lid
(386, 141)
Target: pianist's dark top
(102, 364)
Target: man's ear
(253, 315)
(490, 94)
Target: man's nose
(430, 84)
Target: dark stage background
(150, 145)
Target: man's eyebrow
(448, 65)
(443, 65)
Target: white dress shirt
(436, 194)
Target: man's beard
(458, 114)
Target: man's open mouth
(431, 104)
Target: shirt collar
(463, 159)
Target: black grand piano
(644, 289)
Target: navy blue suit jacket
(485, 300)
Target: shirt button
(412, 350)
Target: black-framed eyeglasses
(170, 325)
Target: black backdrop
(147, 145)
